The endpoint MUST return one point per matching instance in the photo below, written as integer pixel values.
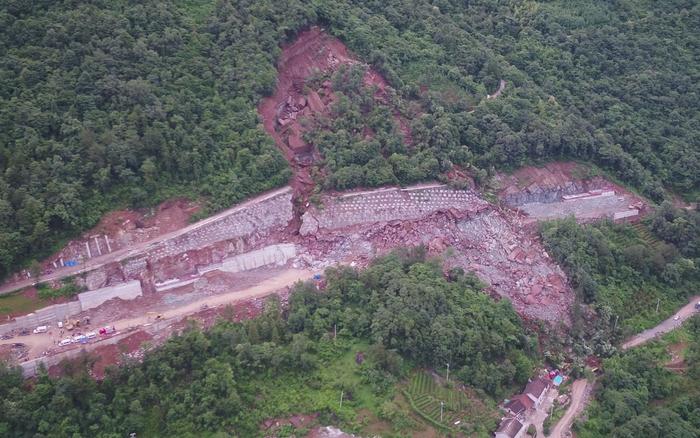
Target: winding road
(666, 326)
(579, 390)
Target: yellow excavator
(71, 324)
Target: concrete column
(109, 247)
(87, 246)
(97, 244)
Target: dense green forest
(621, 272)
(111, 103)
(640, 397)
(401, 311)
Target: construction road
(666, 326)
(121, 254)
(38, 343)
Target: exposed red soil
(111, 354)
(552, 183)
(122, 228)
(12, 353)
(677, 360)
(107, 355)
(313, 52)
(171, 215)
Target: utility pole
(615, 326)
(335, 331)
(442, 405)
(658, 301)
(341, 399)
(448, 371)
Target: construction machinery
(71, 324)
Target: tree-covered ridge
(113, 102)
(588, 80)
(640, 397)
(622, 272)
(108, 102)
(229, 379)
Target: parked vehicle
(41, 329)
(91, 335)
(65, 342)
(107, 330)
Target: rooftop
(510, 427)
(537, 386)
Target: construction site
(145, 273)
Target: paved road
(666, 326)
(578, 403)
(118, 255)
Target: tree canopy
(232, 377)
(109, 103)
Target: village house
(537, 389)
(510, 428)
(519, 404)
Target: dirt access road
(97, 262)
(666, 326)
(579, 394)
(41, 342)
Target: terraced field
(460, 412)
(646, 236)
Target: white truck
(41, 329)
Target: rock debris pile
(492, 243)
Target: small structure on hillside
(510, 428)
(537, 389)
(519, 404)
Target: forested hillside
(646, 393)
(630, 277)
(106, 103)
(401, 312)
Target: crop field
(646, 236)
(460, 411)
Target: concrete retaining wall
(45, 316)
(125, 291)
(30, 368)
(49, 315)
(174, 283)
(86, 300)
(273, 254)
(624, 214)
(384, 205)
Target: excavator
(70, 324)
